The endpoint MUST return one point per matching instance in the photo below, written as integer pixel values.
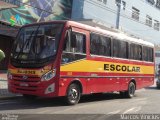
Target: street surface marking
(114, 112)
(138, 109)
(129, 110)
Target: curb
(9, 97)
(3, 80)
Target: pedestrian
(2, 55)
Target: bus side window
(93, 44)
(118, 47)
(151, 54)
(135, 51)
(147, 54)
(75, 48)
(140, 53)
(108, 46)
(74, 41)
(100, 45)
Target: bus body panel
(99, 80)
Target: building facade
(139, 18)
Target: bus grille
(31, 83)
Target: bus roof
(107, 32)
(114, 34)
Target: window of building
(120, 49)
(135, 13)
(156, 25)
(100, 0)
(152, 2)
(103, 1)
(123, 5)
(149, 21)
(74, 48)
(135, 51)
(100, 45)
(158, 3)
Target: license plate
(24, 84)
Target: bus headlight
(49, 75)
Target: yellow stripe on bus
(108, 67)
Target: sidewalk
(4, 94)
(3, 75)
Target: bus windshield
(37, 42)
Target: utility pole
(118, 3)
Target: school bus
(70, 59)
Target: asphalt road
(146, 101)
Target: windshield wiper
(20, 48)
(26, 42)
(33, 42)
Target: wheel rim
(73, 94)
(132, 90)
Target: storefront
(7, 36)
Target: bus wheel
(131, 90)
(29, 97)
(73, 94)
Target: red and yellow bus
(67, 58)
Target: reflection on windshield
(45, 46)
(37, 42)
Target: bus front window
(37, 43)
(48, 48)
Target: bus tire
(29, 97)
(131, 90)
(73, 94)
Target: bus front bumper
(45, 90)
